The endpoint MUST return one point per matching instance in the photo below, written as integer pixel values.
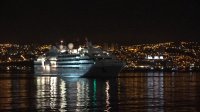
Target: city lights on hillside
(160, 56)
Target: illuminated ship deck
(82, 62)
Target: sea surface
(129, 92)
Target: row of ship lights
(62, 49)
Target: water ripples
(129, 92)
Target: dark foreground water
(150, 92)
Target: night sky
(138, 21)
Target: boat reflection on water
(131, 92)
(75, 94)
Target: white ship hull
(89, 70)
(105, 71)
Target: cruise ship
(87, 61)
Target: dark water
(152, 92)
